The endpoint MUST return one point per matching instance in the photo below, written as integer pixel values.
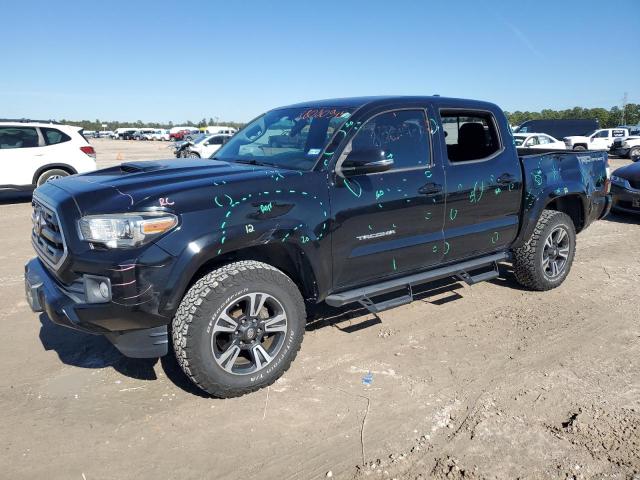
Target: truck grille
(46, 234)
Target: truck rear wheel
(545, 260)
(239, 328)
(579, 148)
(634, 153)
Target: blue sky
(161, 61)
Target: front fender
(282, 223)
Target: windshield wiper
(252, 161)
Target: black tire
(201, 311)
(193, 155)
(634, 153)
(52, 174)
(579, 148)
(528, 260)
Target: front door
(600, 140)
(484, 184)
(389, 223)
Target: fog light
(97, 289)
(104, 290)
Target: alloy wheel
(556, 252)
(249, 333)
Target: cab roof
(375, 101)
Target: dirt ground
(489, 381)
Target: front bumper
(625, 200)
(127, 328)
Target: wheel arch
(51, 166)
(573, 203)
(573, 206)
(288, 257)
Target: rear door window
(18, 137)
(54, 136)
(471, 136)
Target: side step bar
(364, 295)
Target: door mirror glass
(365, 160)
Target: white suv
(207, 145)
(32, 153)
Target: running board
(364, 295)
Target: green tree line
(112, 124)
(607, 118)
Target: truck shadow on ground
(624, 218)
(84, 350)
(15, 197)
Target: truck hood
(142, 184)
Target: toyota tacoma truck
(347, 201)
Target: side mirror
(363, 161)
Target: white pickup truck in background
(599, 140)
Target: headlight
(125, 229)
(621, 182)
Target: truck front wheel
(545, 260)
(239, 328)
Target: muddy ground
(489, 381)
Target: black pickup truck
(342, 201)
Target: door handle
(506, 179)
(430, 189)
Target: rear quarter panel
(554, 175)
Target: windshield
(199, 138)
(519, 139)
(289, 138)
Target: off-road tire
(48, 174)
(527, 260)
(634, 153)
(199, 309)
(579, 148)
(193, 155)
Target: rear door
(389, 223)
(20, 154)
(484, 183)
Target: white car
(158, 135)
(207, 145)
(599, 140)
(537, 140)
(33, 153)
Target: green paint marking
(266, 208)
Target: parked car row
(171, 134)
(579, 135)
